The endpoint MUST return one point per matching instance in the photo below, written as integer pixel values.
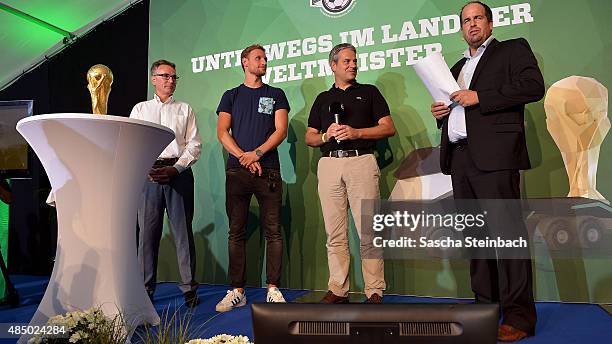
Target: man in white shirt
(170, 182)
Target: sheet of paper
(437, 77)
(439, 81)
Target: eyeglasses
(168, 76)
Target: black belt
(460, 143)
(165, 162)
(347, 153)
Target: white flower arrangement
(93, 327)
(222, 339)
(90, 326)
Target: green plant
(173, 329)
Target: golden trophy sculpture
(577, 119)
(99, 81)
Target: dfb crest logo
(333, 8)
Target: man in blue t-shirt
(252, 122)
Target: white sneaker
(232, 299)
(274, 295)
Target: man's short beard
(257, 73)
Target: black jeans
(240, 186)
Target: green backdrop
(569, 37)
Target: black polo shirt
(364, 106)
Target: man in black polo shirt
(257, 116)
(347, 170)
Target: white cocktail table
(97, 167)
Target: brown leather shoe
(374, 298)
(507, 333)
(333, 298)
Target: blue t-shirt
(252, 111)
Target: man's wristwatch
(259, 153)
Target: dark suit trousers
(507, 281)
(177, 198)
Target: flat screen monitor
(14, 152)
(374, 323)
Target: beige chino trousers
(343, 183)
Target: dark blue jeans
(240, 186)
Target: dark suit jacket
(506, 78)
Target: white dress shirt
(180, 118)
(456, 119)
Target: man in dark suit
(483, 149)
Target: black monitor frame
(374, 323)
(25, 172)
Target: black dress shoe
(191, 299)
(150, 293)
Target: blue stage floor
(557, 323)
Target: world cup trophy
(99, 81)
(577, 119)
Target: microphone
(336, 108)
